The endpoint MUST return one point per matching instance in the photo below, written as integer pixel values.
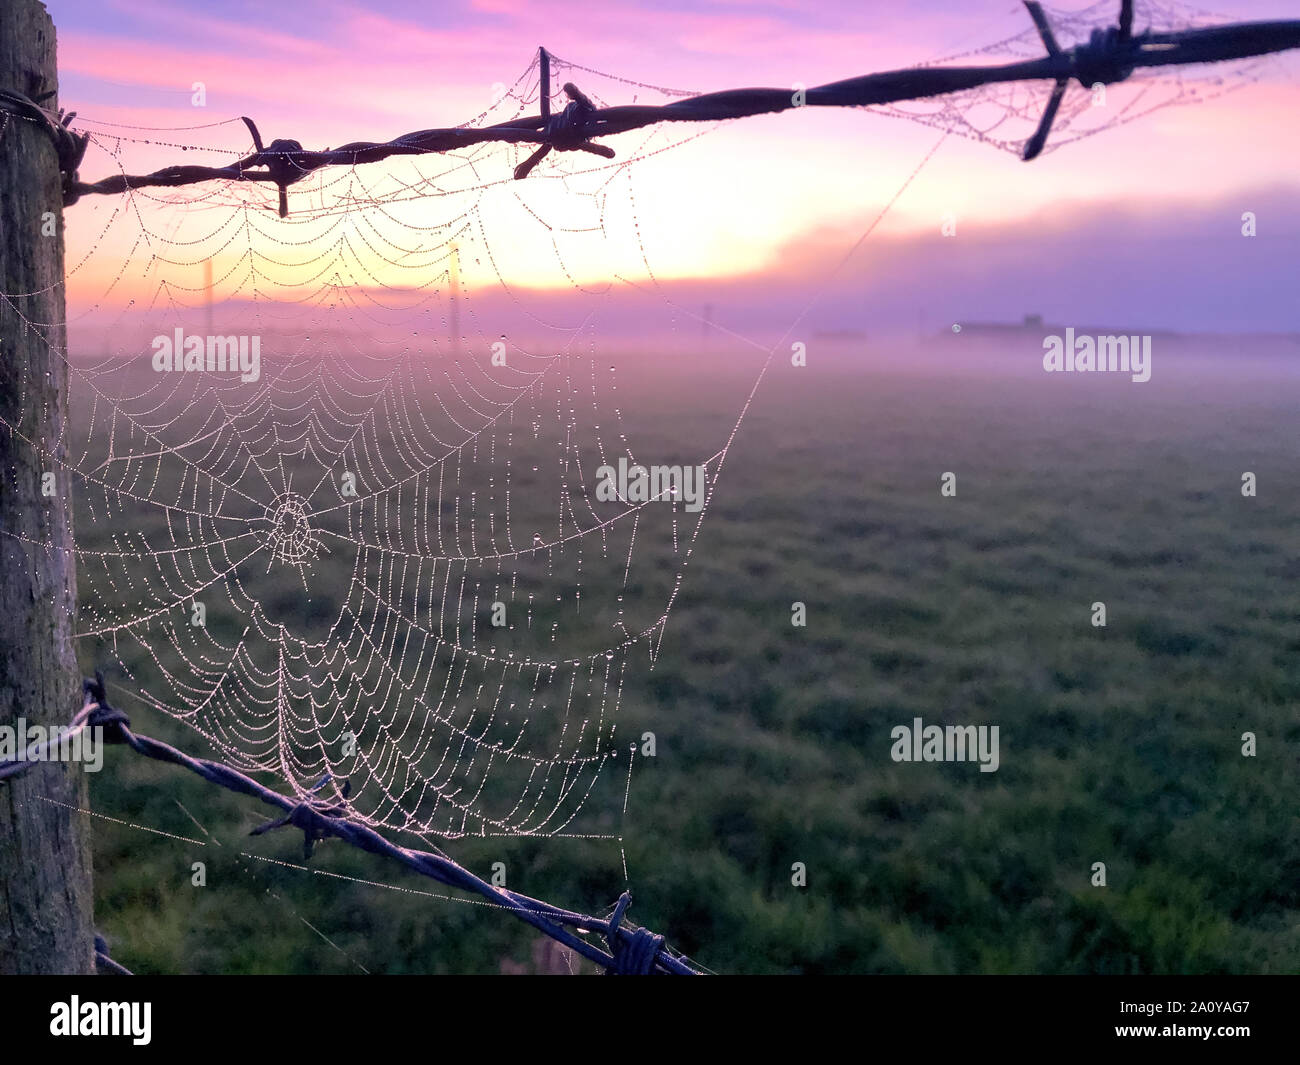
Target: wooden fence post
(46, 901)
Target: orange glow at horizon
(722, 202)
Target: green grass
(1119, 745)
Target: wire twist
(70, 146)
(1110, 55)
(631, 950)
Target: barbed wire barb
(631, 951)
(1110, 55)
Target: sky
(1139, 225)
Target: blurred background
(650, 307)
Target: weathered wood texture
(46, 904)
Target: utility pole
(453, 319)
(207, 294)
(46, 901)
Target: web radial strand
(1005, 115)
(379, 554)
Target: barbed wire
(1111, 55)
(71, 147)
(630, 950)
(103, 963)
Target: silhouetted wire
(631, 950)
(1110, 55)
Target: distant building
(1033, 324)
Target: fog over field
(816, 484)
(1119, 743)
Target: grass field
(1120, 744)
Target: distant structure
(1033, 324)
(207, 294)
(453, 316)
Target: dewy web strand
(306, 562)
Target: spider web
(347, 526)
(1005, 115)
(350, 524)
